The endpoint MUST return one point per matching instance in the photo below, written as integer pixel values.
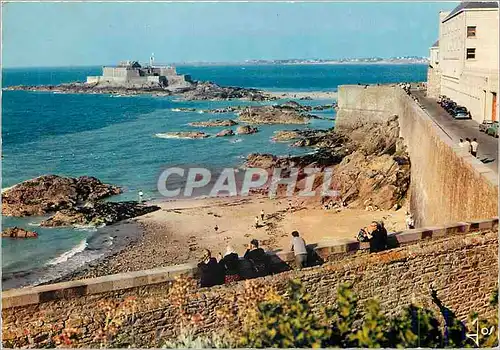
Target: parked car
(460, 112)
(485, 125)
(448, 105)
(493, 129)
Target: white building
(464, 61)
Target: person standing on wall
(410, 221)
(473, 147)
(299, 249)
(467, 144)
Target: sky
(85, 34)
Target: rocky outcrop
(258, 160)
(96, 214)
(246, 129)
(216, 122)
(377, 182)
(212, 91)
(323, 107)
(371, 169)
(322, 139)
(283, 114)
(188, 90)
(229, 109)
(50, 193)
(84, 88)
(17, 232)
(286, 135)
(182, 135)
(225, 132)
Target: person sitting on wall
(230, 264)
(376, 234)
(378, 240)
(210, 271)
(258, 257)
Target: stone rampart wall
(447, 183)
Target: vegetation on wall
(272, 320)
(257, 316)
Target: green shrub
(289, 322)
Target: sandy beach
(180, 230)
(315, 95)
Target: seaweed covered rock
(96, 214)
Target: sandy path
(180, 230)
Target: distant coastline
(358, 61)
(305, 62)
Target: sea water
(113, 138)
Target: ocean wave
(168, 136)
(235, 140)
(90, 228)
(80, 247)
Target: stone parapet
(128, 280)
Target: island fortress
(131, 74)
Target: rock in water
(17, 232)
(286, 135)
(50, 193)
(217, 122)
(211, 91)
(100, 213)
(225, 132)
(284, 114)
(263, 161)
(246, 129)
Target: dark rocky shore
(74, 201)
(195, 91)
(50, 193)
(371, 168)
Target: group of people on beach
(254, 263)
(471, 146)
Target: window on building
(471, 31)
(471, 54)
